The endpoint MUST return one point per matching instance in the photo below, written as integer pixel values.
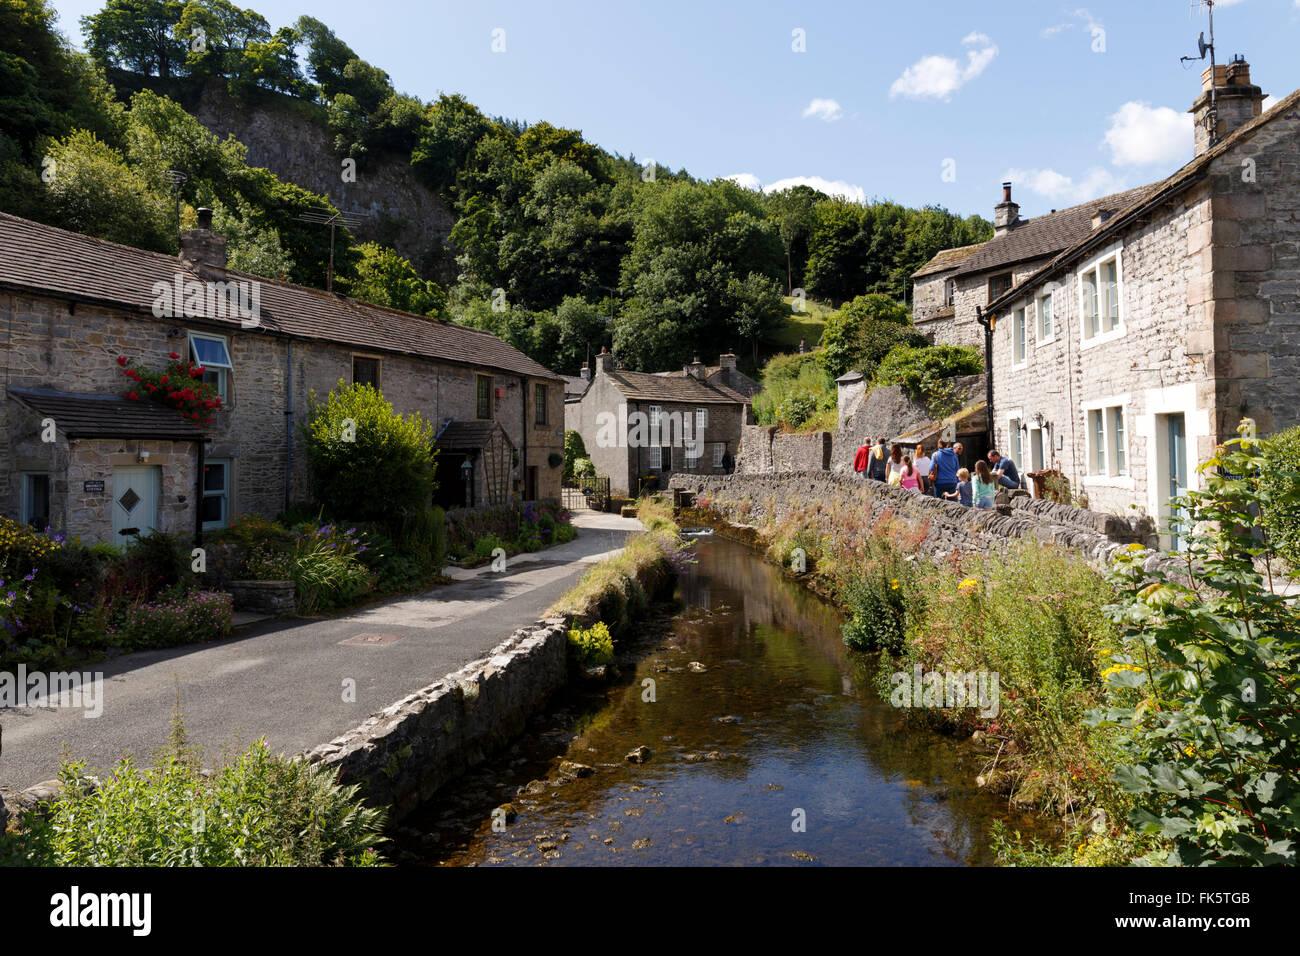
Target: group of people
(940, 475)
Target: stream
(768, 746)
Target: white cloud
(1083, 15)
(1141, 134)
(831, 187)
(1062, 189)
(1271, 101)
(938, 77)
(828, 111)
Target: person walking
(923, 464)
(945, 472)
(895, 464)
(986, 488)
(962, 490)
(879, 463)
(862, 460)
(910, 477)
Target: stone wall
(825, 498)
(404, 753)
(766, 449)
(889, 411)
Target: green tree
(94, 191)
(384, 278)
(137, 35)
(861, 333)
(367, 461)
(453, 127)
(794, 210)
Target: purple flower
(31, 576)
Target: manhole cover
(373, 639)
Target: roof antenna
(1212, 117)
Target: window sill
(1047, 341)
(1101, 338)
(1110, 481)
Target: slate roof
(946, 259)
(1047, 235)
(41, 259)
(648, 386)
(574, 385)
(1148, 195)
(107, 416)
(467, 436)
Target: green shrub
(366, 460)
(1204, 683)
(326, 571)
(591, 646)
(1281, 482)
(173, 619)
(861, 333)
(582, 468)
(159, 559)
(261, 810)
(422, 535)
(574, 450)
(923, 373)
(795, 389)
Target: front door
(530, 484)
(1178, 479)
(135, 501)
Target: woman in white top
(896, 465)
(922, 463)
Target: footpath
(301, 682)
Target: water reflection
(770, 746)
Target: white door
(135, 501)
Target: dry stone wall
(758, 499)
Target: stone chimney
(203, 249)
(585, 373)
(696, 369)
(604, 362)
(1238, 102)
(1006, 213)
(728, 359)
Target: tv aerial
(332, 219)
(1203, 47)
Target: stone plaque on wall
(93, 487)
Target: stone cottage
(1132, 334)
(639, 424)
(77, 455)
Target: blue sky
(919, 102)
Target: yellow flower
(968, 585)
(1135, 547)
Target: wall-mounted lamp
(142, 456)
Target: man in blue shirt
(1004, 470)
(943, 474)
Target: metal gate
(586, 493)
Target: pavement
(302, 682)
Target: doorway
(1172, 474)
(135, 501)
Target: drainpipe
(198, 497)
(988, 322)
(288, 424)
(523, 421)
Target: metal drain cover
(371, 640)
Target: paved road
(285, 680)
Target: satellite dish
(1200, 42)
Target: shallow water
(781, 726)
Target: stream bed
(768, 745)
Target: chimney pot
(205, 218)
(1006, 192)
(604, 361)
(1237, 101)
(1006, 213)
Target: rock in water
(572, 769)
(640, 754)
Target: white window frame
(655, 412)
(1016, 444)
(656, 459)
(1039, 337)
(226, 493)
(719, 453)
(1043, 443)
(1020, 337)
(1111, 475)
(1087, 338)
(25, 506)
(701, 421)
(223, 370)
(693, 460)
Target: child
(986, 486)
(911, 478)
(963, 492)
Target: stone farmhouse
(637, 425)
(1131, 335)
(76, 454)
